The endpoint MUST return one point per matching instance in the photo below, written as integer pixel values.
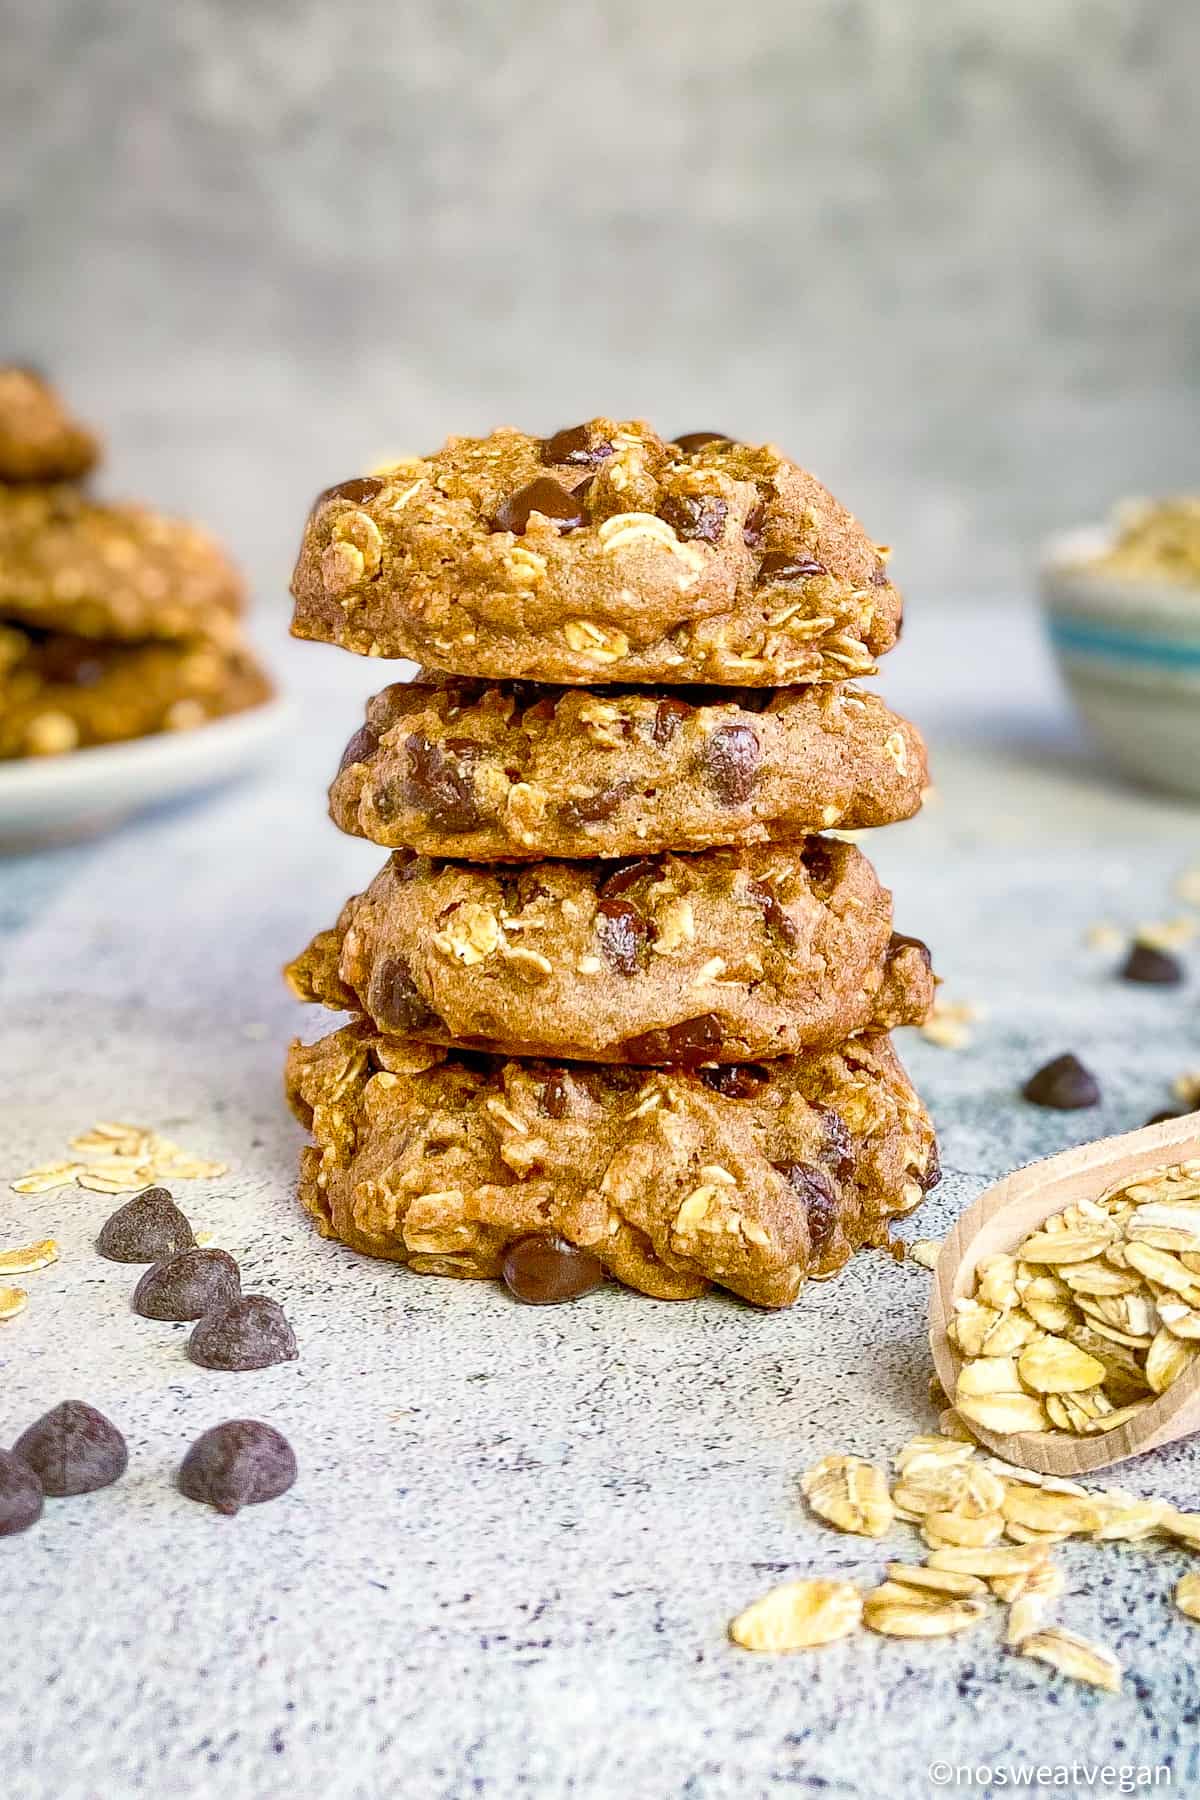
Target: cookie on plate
(70, 564)
(454, 767)
(727, 956)
(60, 693)
(601, 553)
(753, 1178)
(39, 440)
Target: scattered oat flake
(1167, 934)
(1075, 1656)
(1187, 1594)
(120, 1158)
(1187, 886)
(32, 1256)
(13, 1300)
(947, 1026)
(925, 1252)
(851, 1494)
(799, 1615)
(897, 1610)
(1186, 1087)
(1103, 936)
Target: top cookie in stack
(114, 621)
(631, 649)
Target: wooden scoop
(1001, 1219)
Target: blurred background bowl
(1128, 648)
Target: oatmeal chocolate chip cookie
(70, 564)
(600, 553)
(727, 956)
(60, 693)
(755, 1178)
(39, 440)
(493, 773)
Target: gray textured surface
(519, 1535)
(949, 255)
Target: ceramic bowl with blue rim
(1128, 646)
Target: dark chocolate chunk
(820, 860)
(544, 1270)
(668, 717)
(691, 1041)
(731, 759)
(73, 1449)
(589, 809)
(695, 516)
(146, 1229)
(752, 529)
(438, 780)
(394, 1001)
(814, 1189)
(624, 933)
(838, 1150)
(932, 1172)
(359, 489)
(240, 1463)
(626, 875)
(775, 917)
(361, 748)
(576, 446)
(690, 441)
(1064, 1084)
(736, 1081)
(787, 565)
(252, 1333)
(901, 941)
(553, 1096)
(543, 495)
(1156, 968)
(20, 1495)
(188, 1285)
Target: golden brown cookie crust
(754, 1179)
(727, 956)
(512, 772)
(70, 564)
(60, 693)
(39, 440)
(722, 563)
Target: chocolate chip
(624, 933)
(775, 917)
(188, 1285)
(784, 565)
(252, 1333)
(691, 441)
(73, 1449)
(838, 1150)
(669, 715)
(543, 495)
(544, 1270)
(695, 516)
(20, 1495)
(820, 857)
(360, 749)
(359, 489)
(691, 1041)
(1064, 1084)
(146, 1229)
(394, 1001)
(438, 780)
(752, 528)
(932, 1172)
(240, 1463)
(736, 1081)
(814, 1190)
(731, 759)
(1156, 968)
(901, 941)
(575, 445)
(552, 1097)
(589, 809)
(625, 875)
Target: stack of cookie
(617, 1009)
(114, 622)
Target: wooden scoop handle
(1000, 1219)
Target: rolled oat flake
(73, 1449)
(147, 1229)
(251, 1333)
(240, 1463)
(188, 1286)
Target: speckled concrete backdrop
(949, 253)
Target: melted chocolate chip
(20, 1495)
(775, 917)
(188, 1285)
(901, 941)
(1156, 968)
(576, 446)
(784, 565)
(668, 717)
(691, 1041)
(438, 780)
(240, 1463)
(145, 1230)
(691, 441)
(731, 758)
(624, 933)
(932, 1172)
(73, 1449)
(752, 529)
(1064, 1085)
(252, 1333)
(695, 516)
(820, 859)
(545, 1270)
(589, 809)
(542, 495)
(736, 1081)
(359, 489)
(360, 749)
(814, 1189)
(552, 1097)
(838, 1151)
(394, 1001)
(626, 875)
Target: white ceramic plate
(54, 799)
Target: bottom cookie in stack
(752, 1177)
